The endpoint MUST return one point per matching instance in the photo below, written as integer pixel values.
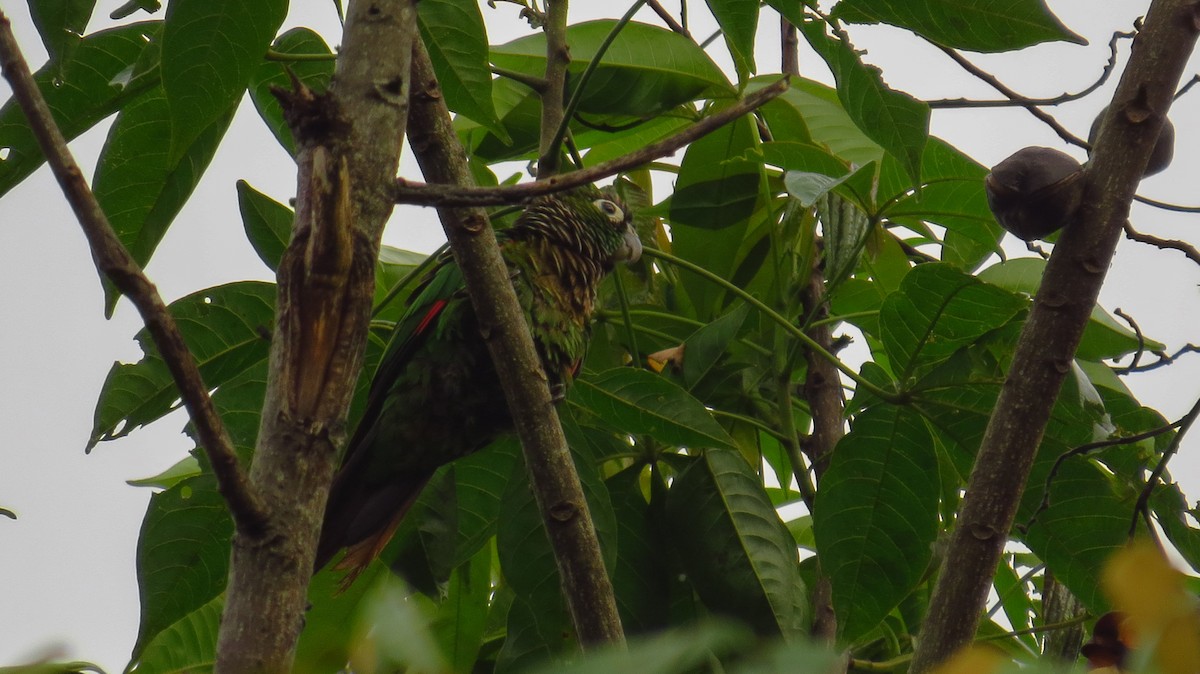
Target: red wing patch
(432, 314)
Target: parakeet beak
(631, 248)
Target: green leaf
(188, 645)
(895, 120)
(938, 311)
(61, 24)
(704, 347)
(1103, 338)
(138, 185)
(210, 50)
(738, 554)
(267, 222)
(646, 71)
(640, 402)
(951, 195)
(222, 327)
(455, 36)
(313, 74)
(975, 25)
(481, 481)
(641, 577)
(1084, 525)
(802, 157)
(183, 555)
(876, 516)
(328, 636)
(187, 467)
(462, 616)
(1172, 511)
(739, 23)
(79, 93)
(825, 120)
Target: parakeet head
(590, 222)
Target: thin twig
(115, 262)
(425, 194)
(1184, 89)
(1166, 206)
(667, 18)
(1082, 450)
(1012, 95)
(1056, 100)
(1140, 508)
(1173, 244)
(1137, 331)
(1163, 360)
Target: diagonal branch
(586, 584)
(115, 262)
(409, 192)
(1048, 342)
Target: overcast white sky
(67, 579)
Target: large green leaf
(647, 70)
(139, 185)
(1103, 337)
(455, 36)
(267, 222)
(210, 50)
(313, 74)
(188, 645)
(895, 120)
(183, 555)
(825, 121)
(79, 93)
(739, 555)
(717, 194)
(977, 25)
(641, 402)
(952, 195)
(223, 328)
(61, 24)
(739, 22)
(939, 310)
(1084, 524)
(875, 519)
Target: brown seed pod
(1164, 148)
(1035, 192)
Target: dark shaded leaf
(267, 222)
(976, 25)
(738, 554)
(637, 401)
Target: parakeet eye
(610, 209)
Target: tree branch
(558, 57)
(1174, 244)
(1046, 347)
(348, 148)
(585, 581)
(115, 262)
(409, 192)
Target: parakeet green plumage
(436, 396)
